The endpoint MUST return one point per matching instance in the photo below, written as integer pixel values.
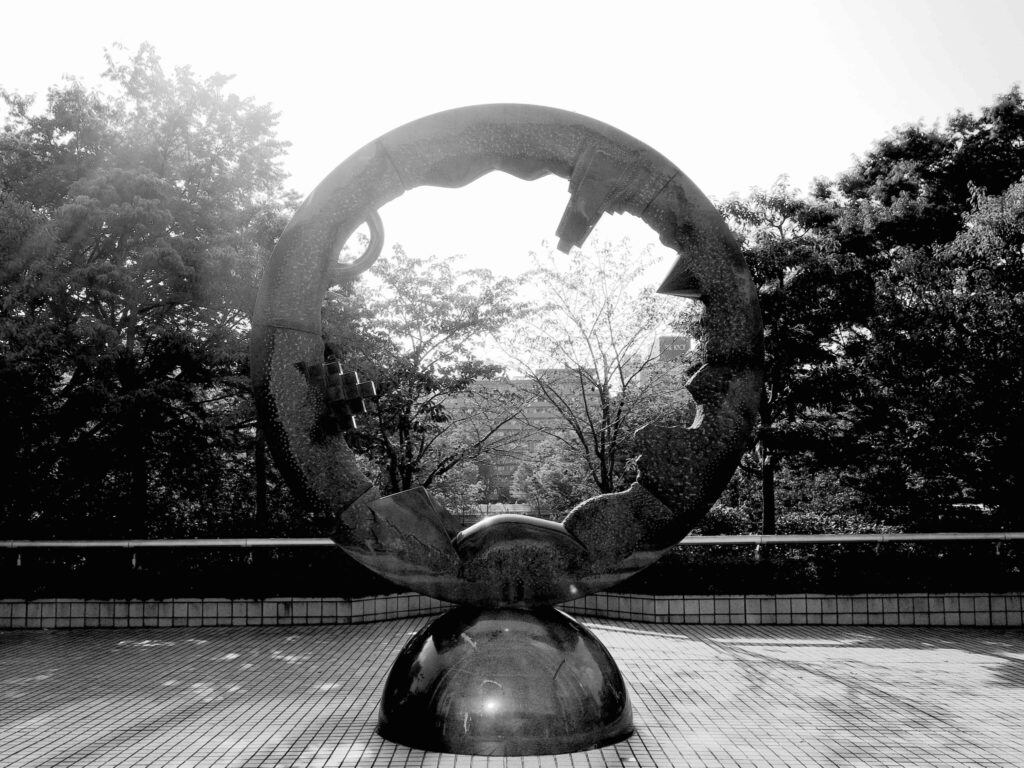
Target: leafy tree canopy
(891, 303)
(416, 326)
(134, 219)
(939, 413)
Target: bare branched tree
(605, 354)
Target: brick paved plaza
(702, 696)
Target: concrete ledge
(973, 609)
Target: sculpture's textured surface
(503, 562)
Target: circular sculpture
(508, 561)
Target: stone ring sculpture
(507, 563)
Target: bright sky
(735, 93)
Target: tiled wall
(63, 614)
(950, 610)
(975, 609)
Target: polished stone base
(505, 682)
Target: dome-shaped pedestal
(505, 682)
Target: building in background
(541, 403)
(673, 348)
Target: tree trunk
(139, 490)
(262, 513)
(767, 491)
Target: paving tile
(703, 695)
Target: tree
(551, 480)
(590, 347)
(459, 491)
(941, 412)
(134, 220)
(814, 300)
(914, 187)
(928, 214)
(415, 327)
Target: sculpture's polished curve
(505, 682)
(503, 562)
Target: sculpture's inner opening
(497, 220)
(355, 246)
(507, 225)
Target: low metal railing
(756, 540)
(162, 543)
(855, 538)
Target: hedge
(694, 570)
